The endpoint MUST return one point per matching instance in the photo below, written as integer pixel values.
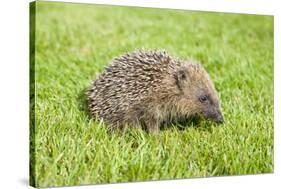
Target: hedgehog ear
(181, 77)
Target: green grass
(74, 43)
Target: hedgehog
(147, 88)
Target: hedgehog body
(148, 88)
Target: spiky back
(128, 80)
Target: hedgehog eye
(203, 99)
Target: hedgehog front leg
(152, 125)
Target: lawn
(74, 42)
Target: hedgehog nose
(219, 118)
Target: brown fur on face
(147, 88)
(198, 91)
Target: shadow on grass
(83, 103)
(185, 123)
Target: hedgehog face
(197, 93)
(209, 107)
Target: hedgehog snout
(214, 115)
(219, 118)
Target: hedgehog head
(198, 92)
